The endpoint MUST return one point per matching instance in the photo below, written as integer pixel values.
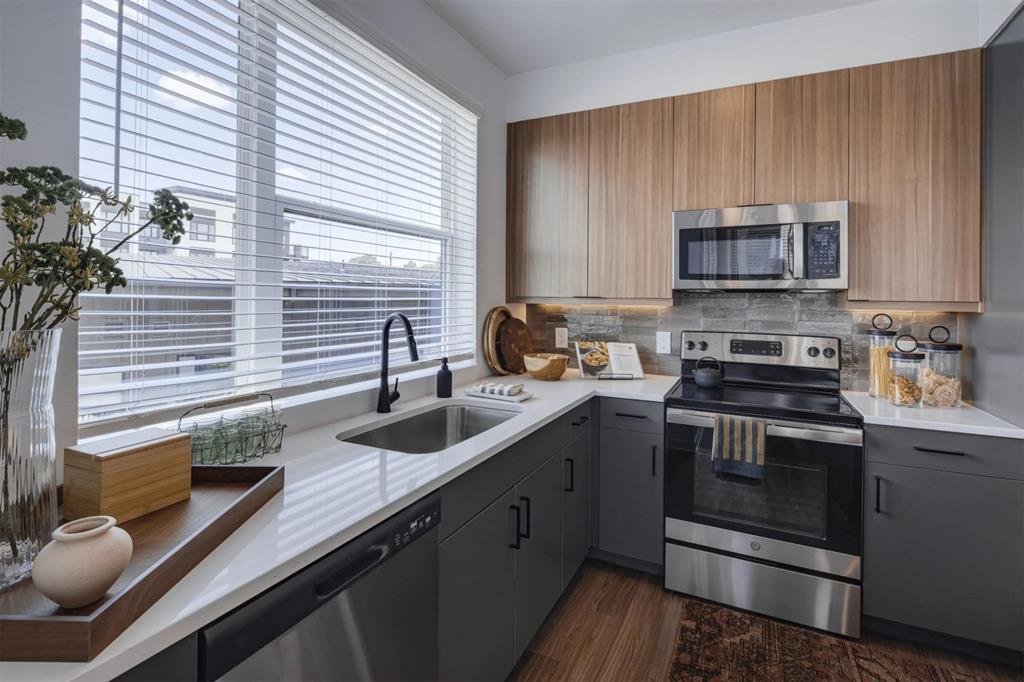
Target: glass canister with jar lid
(905, 370)
(881, 338)
(940, 378)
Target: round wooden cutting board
(490, 341)
(514, 340)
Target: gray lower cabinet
(944, 550)
(478, 597)
(631, 515)
(503, 569)
(575, 506)
(177, 663)
(539, 558)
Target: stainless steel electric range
(788, 543)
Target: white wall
(862, 34)
(992, 14)
(39, 69)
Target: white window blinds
(331, 186)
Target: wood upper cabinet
(915, 176)
(547, 206)
(630, 207)
(802, 139)
(714, 148)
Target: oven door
(754, 257)
(810, 495)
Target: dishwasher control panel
(416, 527)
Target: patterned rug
(717, 643)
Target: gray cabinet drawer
(959, 452)
(632, 415)
(578, 420)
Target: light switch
(561, 337)
(664, 342)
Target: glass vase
(28, 467)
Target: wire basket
(234, 437)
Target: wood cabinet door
(915, 176)
(802, 140)
(944, 551)
(575, 505)
(539, 560)
(631, 517)
(547, 206)
(476, 623)
(714, 148)
(630, 205)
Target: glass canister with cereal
(940, 378)
(881, 338)
(905, 370)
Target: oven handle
(779, 429)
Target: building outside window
(203, 227)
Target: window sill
(316, 408)
(314, 398)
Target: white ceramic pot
(84, 559)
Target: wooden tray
(168, 543)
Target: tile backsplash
(781, 312)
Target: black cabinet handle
(572, 476)
(654, 460)
(627, 415)
(581, 422)
(878, 494)
(526, 501)
(958, 453)
(519, 518)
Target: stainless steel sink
(433, 430)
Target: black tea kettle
(709, 376)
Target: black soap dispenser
(444, 380)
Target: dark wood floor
(618, 625)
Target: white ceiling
(524, 35)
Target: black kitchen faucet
(386, 397)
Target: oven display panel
(755, 347)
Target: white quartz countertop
(333, 492)
(965, 419)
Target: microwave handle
(796, 247)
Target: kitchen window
(331, 186)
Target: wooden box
(127, 476)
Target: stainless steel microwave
(785, 246)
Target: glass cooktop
(797, 405)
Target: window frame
(266, 194)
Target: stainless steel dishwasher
(367, 611)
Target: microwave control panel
(822, 261)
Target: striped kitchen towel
(498, 389)
(738, 447)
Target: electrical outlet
(561, 337)
(664, 342)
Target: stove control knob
(703, 345)
(690, 345)
(813, 351)
(829, 353)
